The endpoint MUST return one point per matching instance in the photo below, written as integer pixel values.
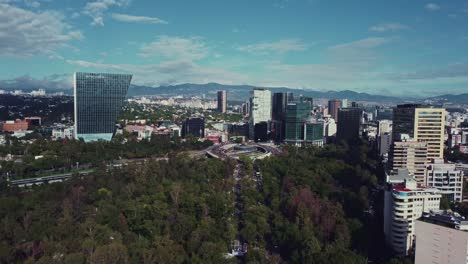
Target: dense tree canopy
(308, 208)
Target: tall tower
(424, 124)
(260, 108)
(222, 101)
(333, 106)
(280, 101)
(349, 124)
(99, 98)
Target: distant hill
(461, 99)
(241, 92)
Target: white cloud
(170, 72)
(388, 27)
(26, 33)
(142, 19)
(175, 48)
(357, 54)
(97, 9)
(432, 7)
(281, 46)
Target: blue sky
(398, 47)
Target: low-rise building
(15, 125)
(446, 178)
(441, 238)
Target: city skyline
(379, 47)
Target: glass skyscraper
(98, 101)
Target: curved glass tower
(98, 101)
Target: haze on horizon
(411, 48)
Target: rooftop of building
(446, 218)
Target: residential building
(424, 124)
(16, 125)
(412, 155)
(222, 101)
(349, 123)
(404, 203)
(441, 238)
(99, 98)
(194, 126)
(446, 178)
(333, 106)
(260, 109)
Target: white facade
(385, 126)
(441, 242)
(62, 132)
(330, 127)
(260, 107)
(403, 205)
(446, 178)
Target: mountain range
(241, 92)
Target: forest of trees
(64, 155)
(310, 209)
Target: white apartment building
(441, 238)
(260, 108)
(404, 204)
(446, 178)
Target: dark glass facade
(99, 98)
(350, 124)
(194, 126)
(403, 120)
(313, 132)
(261, 132)
(296, 116)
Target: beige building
(424, 124)
(441, 238)
(411, 155)
(429, 127)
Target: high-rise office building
(441, 238)
(260, 108)
(333, 106)
(99, 98)
(279, 103)
(404, 203)
(222, 101)
(296, 116)
(350, 123)
(411, 155)
(424, 124)
(446, 178)
(194, 126)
